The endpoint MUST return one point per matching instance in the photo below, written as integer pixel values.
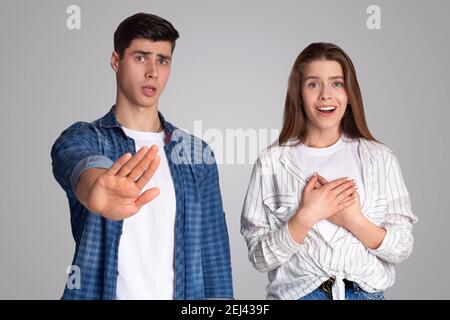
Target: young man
(147, 225)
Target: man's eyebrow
(146, 53)
(330, 78)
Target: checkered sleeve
(75, 151)
(215, 242)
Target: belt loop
(327, 285)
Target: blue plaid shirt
(202, 253)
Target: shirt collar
(288, 158)
(110, 121)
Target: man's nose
(152, 70)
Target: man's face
(143, 71)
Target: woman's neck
(321, 138)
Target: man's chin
(146, 104)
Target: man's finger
(147, 196)
(148, 174)
(118, 164)
(130, 164)
(143, 164)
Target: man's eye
(140, 58)
(164, 61)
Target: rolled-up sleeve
(398, 242)
(268, 247)
(75, 151)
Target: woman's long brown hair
(353, 123)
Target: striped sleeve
(269, 247)
(399, 219)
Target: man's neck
(138, 118)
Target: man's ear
(115, 61)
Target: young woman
(327, 213)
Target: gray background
(230, 70)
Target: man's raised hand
(117, 192)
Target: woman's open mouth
(327, 111)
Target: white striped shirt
(295, 270)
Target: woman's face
(324, 96)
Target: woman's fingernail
(315, 173)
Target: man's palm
(118, 192)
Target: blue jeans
(351, 293)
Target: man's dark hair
(143, 26)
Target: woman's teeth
(326, 110)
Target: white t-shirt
(146, 248)
(336, 161)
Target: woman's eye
(339, 84)
(313, 85)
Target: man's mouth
(327, 111)
(149, 91)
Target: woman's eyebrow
(336, 77)
(330, 78)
